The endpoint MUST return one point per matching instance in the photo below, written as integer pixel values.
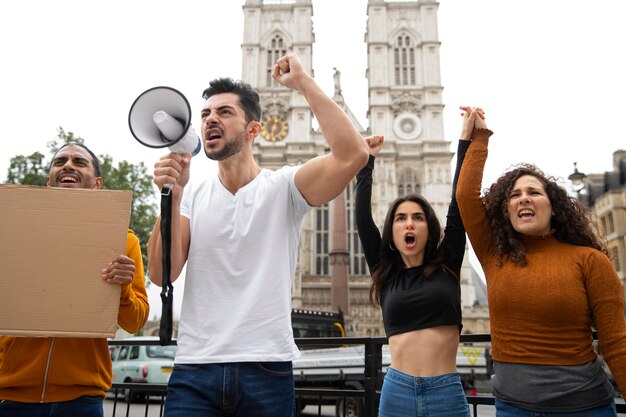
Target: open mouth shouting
(526, 214)
(410, 240)
(212, 134)
(68, 180)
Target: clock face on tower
(274, 127)
(407, 126)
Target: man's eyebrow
(222, 107)
(65, 158)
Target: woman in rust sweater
(549, 283)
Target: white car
(151, 364)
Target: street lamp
(578, 180)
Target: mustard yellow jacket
(52, 369)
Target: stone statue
(337, 77)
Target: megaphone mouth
(161, 98)
(169, 142)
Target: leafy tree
(29, 170)
(126, 176)
(33, 170)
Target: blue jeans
(82, 406)
(243, 389)
(507, 410)
(414, 396)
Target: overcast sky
(551, 75)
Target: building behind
(404, 104)
(605, 195)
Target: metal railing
(368, 395)
(373, 373)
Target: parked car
(142, 364)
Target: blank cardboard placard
(54, 244)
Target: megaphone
(161, 117)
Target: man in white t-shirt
(238, 233)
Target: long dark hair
(390, 262)
(570, 222)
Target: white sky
(551, 75)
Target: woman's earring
(391, 247)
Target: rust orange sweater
(542, 313)
(46, 369)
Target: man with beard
(238, 233)
(67, 376)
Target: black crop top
(411, 301)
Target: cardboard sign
(54, 243)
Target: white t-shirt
(242, 258)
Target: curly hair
(390, 262)
(570, 222)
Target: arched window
(275, 50)
(408, 182)
(358, 266)
(404, 61)
(321, 240)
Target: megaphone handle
(167, 290)
(166, 190)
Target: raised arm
(365, 225)
(468, 189)
(322, 178)
(171, 169)
(454, 236)
(469, 120)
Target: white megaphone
(161, 117)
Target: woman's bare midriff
(425, 352)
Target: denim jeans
(507, 410)
(414, 396)
(243, 389)
(81, 406)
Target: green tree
(33, 170)
(127, 176)
(29, 170)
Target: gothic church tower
(405, 102)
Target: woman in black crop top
(415, 276)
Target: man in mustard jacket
(59, 376)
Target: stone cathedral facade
(405, 105)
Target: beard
(230, 148)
